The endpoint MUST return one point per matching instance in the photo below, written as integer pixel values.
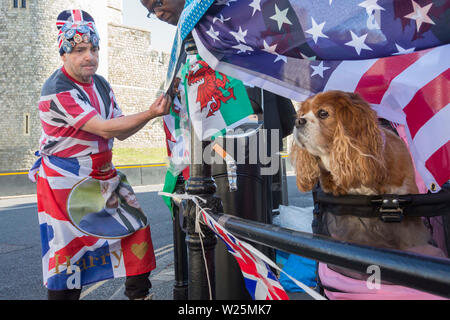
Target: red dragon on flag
(210, 94)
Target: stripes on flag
(65, 107)
(375, 82)
(411, 90)
(427, 102)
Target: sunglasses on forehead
(151, 11)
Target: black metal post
(201, 276)
(201, 246)
(180, 287)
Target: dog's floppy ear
(356, 154)
(306, 168)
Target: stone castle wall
(29, 55)
(136, 74)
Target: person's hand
(173, 90)
(161, 106)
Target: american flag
(392, 52)
(260, 281)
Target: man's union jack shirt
(65, 105)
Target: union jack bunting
(394, 53)
(260, 281)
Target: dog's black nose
(300, 122)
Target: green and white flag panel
(215, 102)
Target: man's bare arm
(126, 126)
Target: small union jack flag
(78, 21)
(74, 16)
(261, 282)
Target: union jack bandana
(75, 26)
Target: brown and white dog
(338, 141)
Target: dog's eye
(322, 114)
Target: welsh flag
(215, 101)
(210, 102)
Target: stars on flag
(272, 49)
(281, 17)
(240, 35)
(236, 25)
(213, 34)
(280, 58)
(370, 5)
(316, 30)
(242, 48)
(318, 70)
(256, 5)
(372, 9)
(420, 14)
(221, 19)
(402, 50)
(358, 42)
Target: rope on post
(199, 231)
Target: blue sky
(134, 14)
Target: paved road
(20, 248)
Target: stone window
(26, 124)
(19, 4)
(160, 57)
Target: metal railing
(423, 273)
(415, 271)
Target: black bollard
(201, 278)
(201, 275)
(180, 287)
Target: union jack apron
(92, 227)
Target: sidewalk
(16, 183)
